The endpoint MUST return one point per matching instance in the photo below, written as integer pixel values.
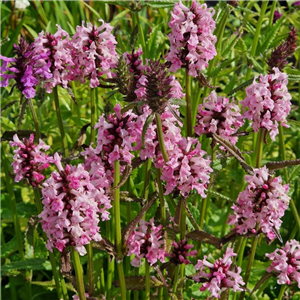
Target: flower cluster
(146, 242)
(268, 102)
(286, 263)
(187, 169)
(157, 87)
(30, 159)
(218, 115)
(71, 208)
(221, 274)
(21, 68)
(95, 52)
(191, 38)
(180, 252)
(262, 204)
(280, 54)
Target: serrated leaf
(28, 264)
(231, 42)
(174, 113)
(9, 247)
(223, 65)
(105, 245)
(146, 126)
(8, 105)
(270, 36)
(241, 86)
(22, 112)
(204, 237)
(276, 165)
(218, 195)
(234, 151)
(138, 283)
(254, 62)
(294, 77)
(177, 101)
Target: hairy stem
(35, 120)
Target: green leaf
(9, 247)
(231, 42)
(28, 264)
(270, 36)
(138, 283)
(146, 126)
(31, 31)
(160, 4)
(254, 62)
(293, 77)
(241, 86)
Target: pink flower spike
(219, 276)
(191, 38)
(30, 159)
(146, 242)
(286, 263)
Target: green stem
(118, 237)
(282, 151)
(295, 213)
(256, 36)
(161, 198)
(146, 180)
(79, 275)
(35, 120)
(273, 7)
(161, 137)
(93, 115)
(241, 251)
(259, 147)
(175, 280)
(281, 292)
(147, 274)
(60, 124)
(189, 125)
(141, 35)
(89, 249)
(249, 266)
(10, 188)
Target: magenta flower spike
(72, 206)
(220, 275)
(30, 159)
(146, 242)
(180, 252)
(286, 263)
(268, 102)
(95, 52)
(192, 43)
(218, 115)
(262, 203)
(20, 68)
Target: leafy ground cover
(150, 149)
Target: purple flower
(146, 242)
(30, 159)
(180, 252)
(220, 275)
(218, 115)
(286, 263)
(280, 54)
(72, 206)
(21, 69)
(262, 204)
(277, 16)
(268, 102)
(95, 52)
(192, 40)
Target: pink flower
(268, 102)
(262, 203)
(191, 38)
(72, 206)
(218, 115)
(220, 275)
(95, 52)
(180, 252)
(54, 60)
(30, 159)
(286, 263)
(146, 242)
(187, 169)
